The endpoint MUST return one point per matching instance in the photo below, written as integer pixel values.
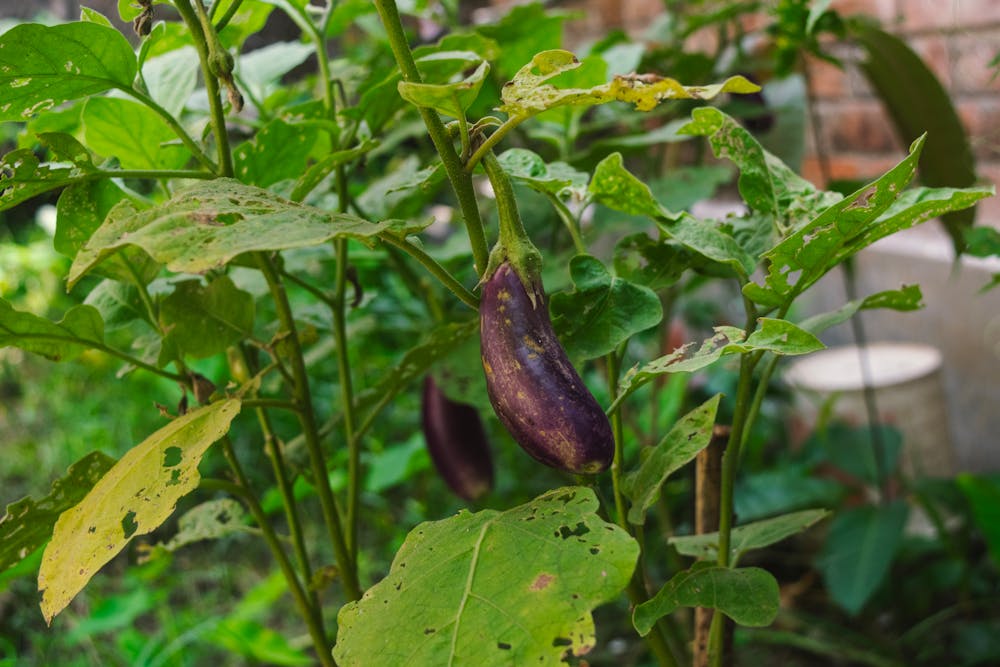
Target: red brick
(933, 50)
(981, 118)
(848, 166)
(988, 210)
(883, 10)
(930, 14)
(826, 79)
(972, 53)
(857, 126)
(637, 15)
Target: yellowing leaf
(133, 498)
(528, 93)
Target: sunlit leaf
(133, 498)
(133, 133)
(491, 604)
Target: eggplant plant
(273, 247)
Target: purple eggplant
(533, 388)
(457, 443)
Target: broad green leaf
(908, 297)
(207, 224)
(615, 187)
(210, 520)
(783, 200)
(859, 549)
(523, 31)
(79, 330)
(119, 304)
(747, 595)
(203, 320)
(776, 336)
(279, 151)
(315, 174)
(688, 436)
(43, 66)
(982, 242)
(492, 605)
(133, 133)
(789, 488)
(22, 177)
(529, 168)
(601, 312)
(530, 93)
(679, 189)
(93, 16)
(983, 494)
(133, 498)
(918, 103)
(259, 72)
(459, 40)
(250, 19)
(162, 39)
(450, 99)
(396, 464)
(171, 78)
(747, 537)
(645, 261)
(402, 192)
(28, 523)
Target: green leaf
(250, 19)
(789, 488)
(79, 330)
(529, 92)
(747, 595)
(28, 523)
(492, 605)
(207, 224)
(119, 304)
(679, 189)
(527, 167)
(615, 187)
(43, 66)
(524, 31)
(908, 297)
(211, 520)
(259, 72)
(315, 174)
(747, 537)
(257, 643)
(93, 16)
(203, 320)
(133, 498)
(133, 133)
(22, 177)
(860, 546)
(171, 78)
(779, 337)
(918, 103)
(982, 242)
(645, 261)
(983, 494)
(279, 151)
(450, 99)
(688, 436)
(601, 312)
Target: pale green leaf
(688, 436)
(79, 330)
(530, 93)
(28, 523)
(171, 78)
(207, 224)
(210, 520)
(43, 66)
(315, 174)
(133, 498)
(119, 304)
(508, 588)
(529, 168)
(279, 151)
(654, 263)
(601, 312)
(908, 297)
(450, 99)
(133, 133)
(748, 595)
(756, 535)
(93, 16)
(23, 176)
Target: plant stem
(614, 369)
(571, 223)
(174, 125)
(307, 419)
(492, 141)
(461, 180)
(434, 268)
(227, 17)
(306, 610)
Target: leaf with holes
(747, 595)
(508, 588)
(210, 520)
(133, 498)
(79, 330)
(43, 66)
(691, 434)
(756, 535)
(529, 168)
(601, 311)
(28, 523)
(529, 92)
(207, 224)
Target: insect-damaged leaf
(530, 93)
(492, 604)
(43, 66)
(133, 498)
(207, 224)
